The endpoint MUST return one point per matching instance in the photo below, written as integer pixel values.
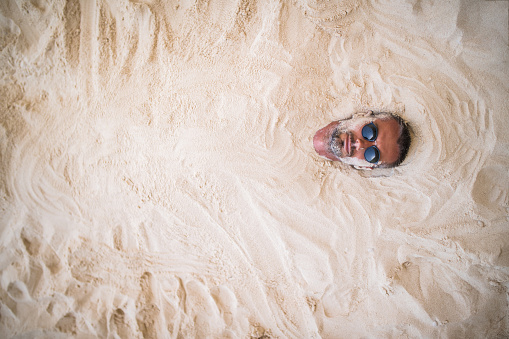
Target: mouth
(340, 144)
(347, 145)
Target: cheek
(356, 162)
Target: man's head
(365, 141)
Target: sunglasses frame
(375, 149)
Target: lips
(347, 145)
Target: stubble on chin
(336, 144)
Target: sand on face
(158, 177)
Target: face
(343, 141)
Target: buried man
(365, 141)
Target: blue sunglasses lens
(370, 132)
(372, 154)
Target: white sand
(158, 177)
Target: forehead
(387, 141)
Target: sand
(158, 178)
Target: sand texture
(158, 178)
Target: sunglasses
(370, 133)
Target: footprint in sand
(148, 312)
(121, 325)
(39, 248)
(215, 312)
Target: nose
(361, 143)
